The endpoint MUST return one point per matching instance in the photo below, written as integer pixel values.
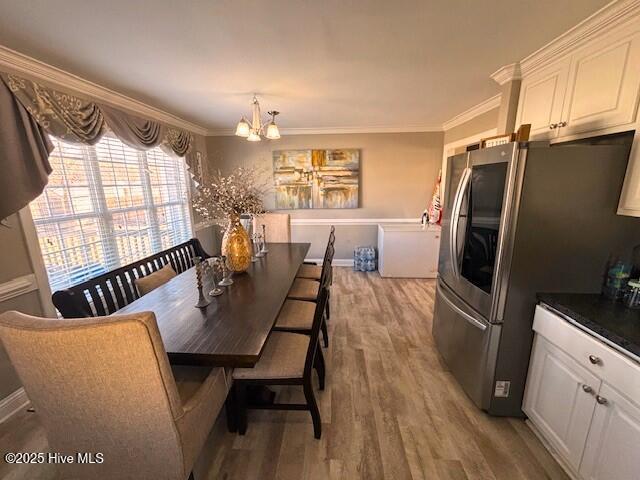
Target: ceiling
(323, 64)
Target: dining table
(232, 330)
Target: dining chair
(104, 384)
(277, 226)
(312, 270)
(154, 280)
(307, 290)
(287, 359)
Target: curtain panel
(24, 155)
(36, 109)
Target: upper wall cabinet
(541, 97)
(603, 87)
(592, 91)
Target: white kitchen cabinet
(602, 89)
(583, 397)
(560, 399)
(613, 445)
(630, 196)
(541, 99)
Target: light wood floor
(390, 409)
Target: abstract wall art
(316, 178)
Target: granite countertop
(611, 320)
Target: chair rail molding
(18, 286)
(19, 63)
(471, 113)
(350, 221)
(11, 404)
(612, 16)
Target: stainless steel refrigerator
(520, 219)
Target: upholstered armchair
(105, 385)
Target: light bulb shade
(272, 132)
(243, 129)
(253, 136)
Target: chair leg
(313, 407)
(325, 333)
(230, 410)
(318, 364)
(241, 407)
(328, 308)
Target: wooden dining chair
(311, 270)
(307, 290)
(104, 384)
(277, 226)
(287, 359)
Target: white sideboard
(407, 250)
(583, 399)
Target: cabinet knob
(562, 124)
(595, 360)
(601, 400)
(587, 388)
(552, 126)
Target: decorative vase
(236, 245)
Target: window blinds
(108, 205)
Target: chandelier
(254, 131)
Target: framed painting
(316, 178)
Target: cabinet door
(603, 86)
(541, 98)
(613, 446)
(630, 196)
(560, 399)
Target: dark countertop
(613, 321)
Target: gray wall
(398, 173)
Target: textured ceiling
(323, 64)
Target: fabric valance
(83, 121)
(29, 111)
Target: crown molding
(19, 63)
(479, 109)
(227, 132)
(507, 73)
(610, 17)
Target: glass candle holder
(215, 272)
(226, 273)
(264, 239)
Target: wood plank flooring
(390, 409)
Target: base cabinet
(613, 446)
(560, 399)
(587, 411)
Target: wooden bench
(111, 291)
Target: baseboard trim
(12, 404)
(337, 262)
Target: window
(108, 205)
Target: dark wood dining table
(232, 330)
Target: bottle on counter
(616, 279)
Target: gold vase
(236, 245)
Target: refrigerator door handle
(455, 217)
(469, 318)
